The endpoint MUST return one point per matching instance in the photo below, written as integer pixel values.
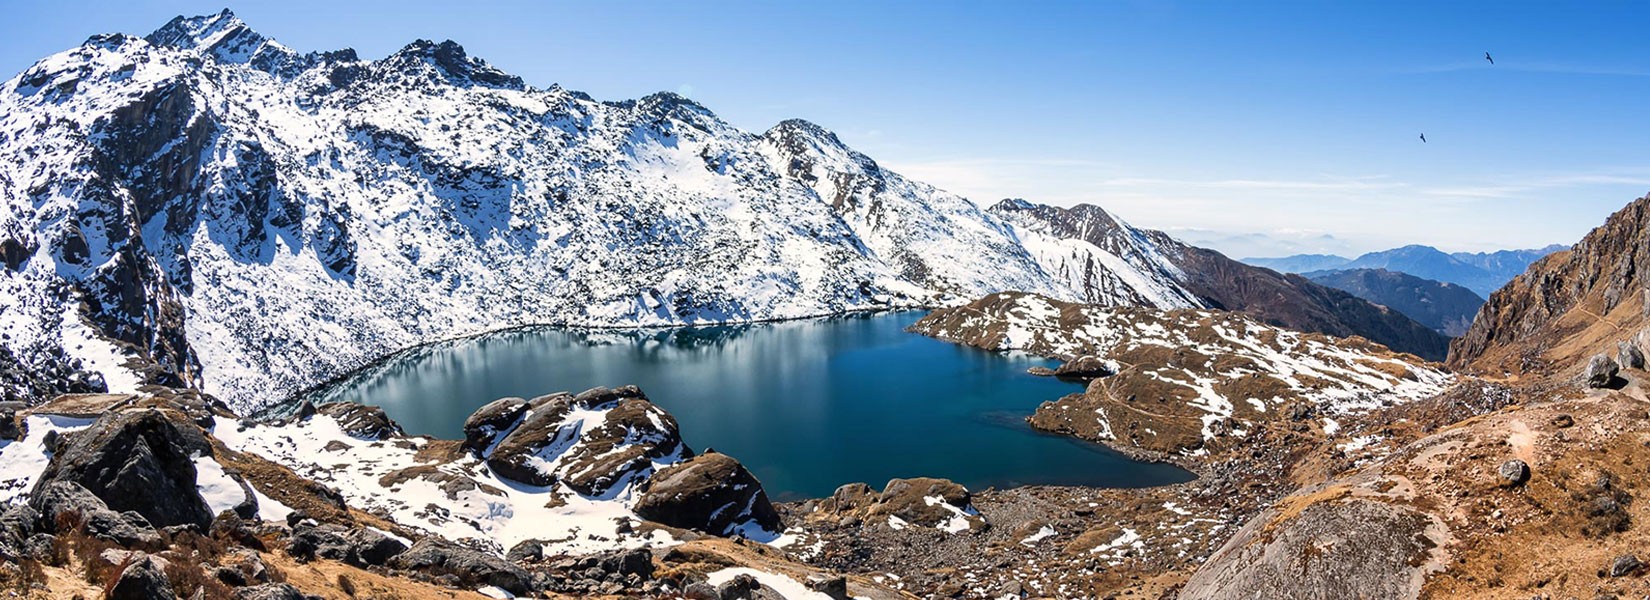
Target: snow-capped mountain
(205, 206)
(1080, 243)
(1107, 261)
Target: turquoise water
(806, 405)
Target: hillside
(1215, 281)
(1445, 307)
(1481, 272)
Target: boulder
(1514, 472)
(438, 557)
(1601, 371)
(1629, 355)
(711, 493)
(526, 551)
(484, 425)
(142, 579)
(1085, 367)
(700, 591)
(358, 546)
(1041, 371)
(929, 502)
(835, 586)
(269, 591)
(138, 460)
(1624, 565)
(741, 587)
(361, 421)
(11, 426)
(591, 458)
(61, 504)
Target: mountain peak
(449, 62)
(200, 31)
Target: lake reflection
(806, 405)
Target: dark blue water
(806, 405)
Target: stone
(712, 493)
(1629, 355)
(472, 568)
(1624, 565)
(1563, 421)
(139, 460)
(740, 587)
(361, 421)
(1601, 371)
(359, 546)
(11, 427)
(1085, 367)
(269, 591)
(700, 591)
(484, 425)
(526, 551)
(142, 579)
(835, 586)
(632, 434)
(1041, 371)
(65, 503)
(1515, 472)
(910, 500)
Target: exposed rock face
(138, 460)
(1211, 280)
(59, 502)
(554, 442)
(1570, 295)
(439, 557)
(484, 426)
(1345, 549)
(356, 546)
(1186, 378)
(361, 421)
(711, 492)
(923, 501)
(1085, 367)
(1629, 355)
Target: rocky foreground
(166, 494)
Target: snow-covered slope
(1105, 260)
(207, 207)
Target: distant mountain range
(1445, 307)
(1481, 272)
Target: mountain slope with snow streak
(222, 211)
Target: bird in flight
(1423, 138)
(1487, 57)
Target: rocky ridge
(1078, 242)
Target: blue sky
(1258, 128)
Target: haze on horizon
(1256, 130)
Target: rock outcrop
(1347, 549)
(137, 460)
(710, 492)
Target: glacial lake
(805, 405)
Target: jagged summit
(448, 63)
(198, 31)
